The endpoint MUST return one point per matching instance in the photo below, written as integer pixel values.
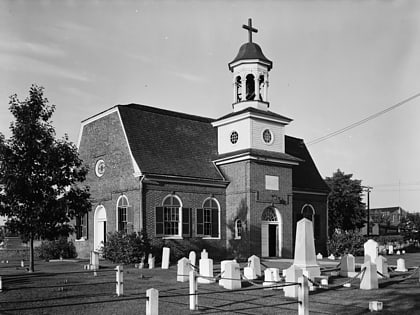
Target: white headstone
(223, 264)
(255, 263)
(305, 257)
(165, 257)
(331, 257)
(204, 254)
(382, 266)
(151, 261)
(292, 275)
(398, 252)
(391, 250)
(347, 266)
(249, 273)
(403, 252)
(371, 250)
(401, 265)
(206, 271)
(94, 260)
(369, 279)
(232, 275)
(319, 256)
(271, 276)
(184, 269)
(192, 257)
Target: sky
(335, 63)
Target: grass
(64, 288)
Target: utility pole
(368, 189)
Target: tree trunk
(31, 254)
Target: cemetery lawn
(60, 288)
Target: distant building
(385, 221)
(237, 183)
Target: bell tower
(250, 75)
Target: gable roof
(305, 175)
(170, 143)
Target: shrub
(56, 249)
(346, 243)
(126, 248)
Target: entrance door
(99, 228)
(272, 239)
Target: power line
(360, 122)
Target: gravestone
(192, 257)
(206, 271)
(371, 250)
(347, 266)
(369, 279)
(165, 257)
(204, 254)
(391, 250)
(292, 275)
(271, 277)
(223, 264)
(94, 260)
(305, 257)
(319, 256)
(401, 265)
(331, 257)
(249, 273)
(151, 261)
(398, 252)
(184, 268)
(382, 266)
(403, 252)
(255, 263)
(232, 275)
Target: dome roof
(251, 50)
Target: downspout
(141, 203)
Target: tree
(41, 176)
(346, 211)
(410, 226)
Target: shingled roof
(175, 144)
(305, 176)
(170, 143)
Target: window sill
(238, 238)
(211, 238)
(174, 237)
(82, 239)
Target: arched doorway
(99, 228)
(271, 232)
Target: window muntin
(267, 136)
(269, 214)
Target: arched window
(238, 87)
(250, 87)
(171, 215)
(308, 212)
(238, 229)
(122, 214)
(261, 87)
(269, 214)
(208, 219)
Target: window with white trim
(172, 219)
(208, 219)
(122, 214)
(238, 229)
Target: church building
(237, 183)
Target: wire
(360, 122)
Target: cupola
(250, 75)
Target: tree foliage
(346, 211)
(41, 193)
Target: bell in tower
(250, 74)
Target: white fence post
(303, 296)
(193, 291)
(152, 302)
(1, 285)
(22, 263)
(120, 285)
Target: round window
(100, 168)
(234, 137)
(267, 136)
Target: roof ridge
(167, 112)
